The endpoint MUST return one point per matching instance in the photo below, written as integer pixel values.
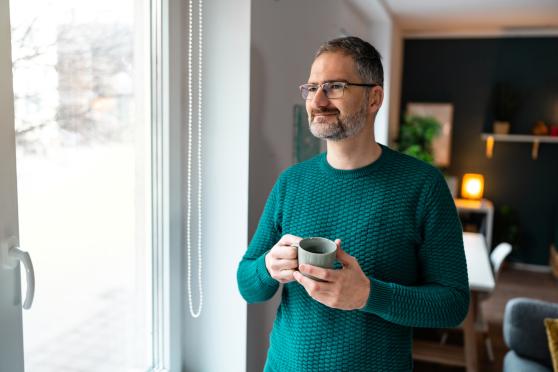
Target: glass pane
(80, 121)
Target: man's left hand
(345, 289)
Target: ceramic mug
(316, 251)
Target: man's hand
(282, 260)
(345, 289)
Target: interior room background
(465, 72)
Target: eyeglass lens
(331, 90)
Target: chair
(525, 335)
(497, 258)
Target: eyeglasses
(332, 89)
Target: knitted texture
(397, 218)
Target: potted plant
(505, 102)
(506, 226)
(416, 135)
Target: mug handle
(297, 246)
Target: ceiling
(500, 16)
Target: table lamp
(472, 186)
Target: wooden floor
(511, 283)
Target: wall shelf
(490, 138)
(519, 138)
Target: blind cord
(197, 313)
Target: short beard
(343, 127)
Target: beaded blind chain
(189, 173)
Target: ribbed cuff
(263, 274)
(380, 298)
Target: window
(82, 131)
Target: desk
(483, 207)
(481, 279)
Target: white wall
(396, 76)
(285, 36)
(386, 36)
(216, 341)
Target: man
(398, 236)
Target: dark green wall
(464, 72)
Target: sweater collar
(358, 172)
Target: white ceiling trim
(479, 33)
(500, 18)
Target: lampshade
(472, 186)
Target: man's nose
(320, 98)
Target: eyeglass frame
(325, 90)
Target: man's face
(336, 119)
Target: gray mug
(316, 252)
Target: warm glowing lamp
(489, 146)
(472, 186)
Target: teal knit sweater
(397, 218)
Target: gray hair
(367, 59)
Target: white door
(11, 331)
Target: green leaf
(416, 135)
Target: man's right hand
(282, 260)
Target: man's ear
(376, 98)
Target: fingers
(280, 269)
(343, 256)
(289, 239)
(281, 261)
(284, 252)
(316, 290)
(327, 275)
(285, 276)
(282, 264)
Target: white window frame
(215, 341)
(165, 197)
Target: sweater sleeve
(441, 298)
(254, 282)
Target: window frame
(166, 209)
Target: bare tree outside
(90, 66)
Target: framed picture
(305, 145)
(441, 145)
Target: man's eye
(311, 88)
(336, 86)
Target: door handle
(10, 257)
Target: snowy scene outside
(81, 184)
